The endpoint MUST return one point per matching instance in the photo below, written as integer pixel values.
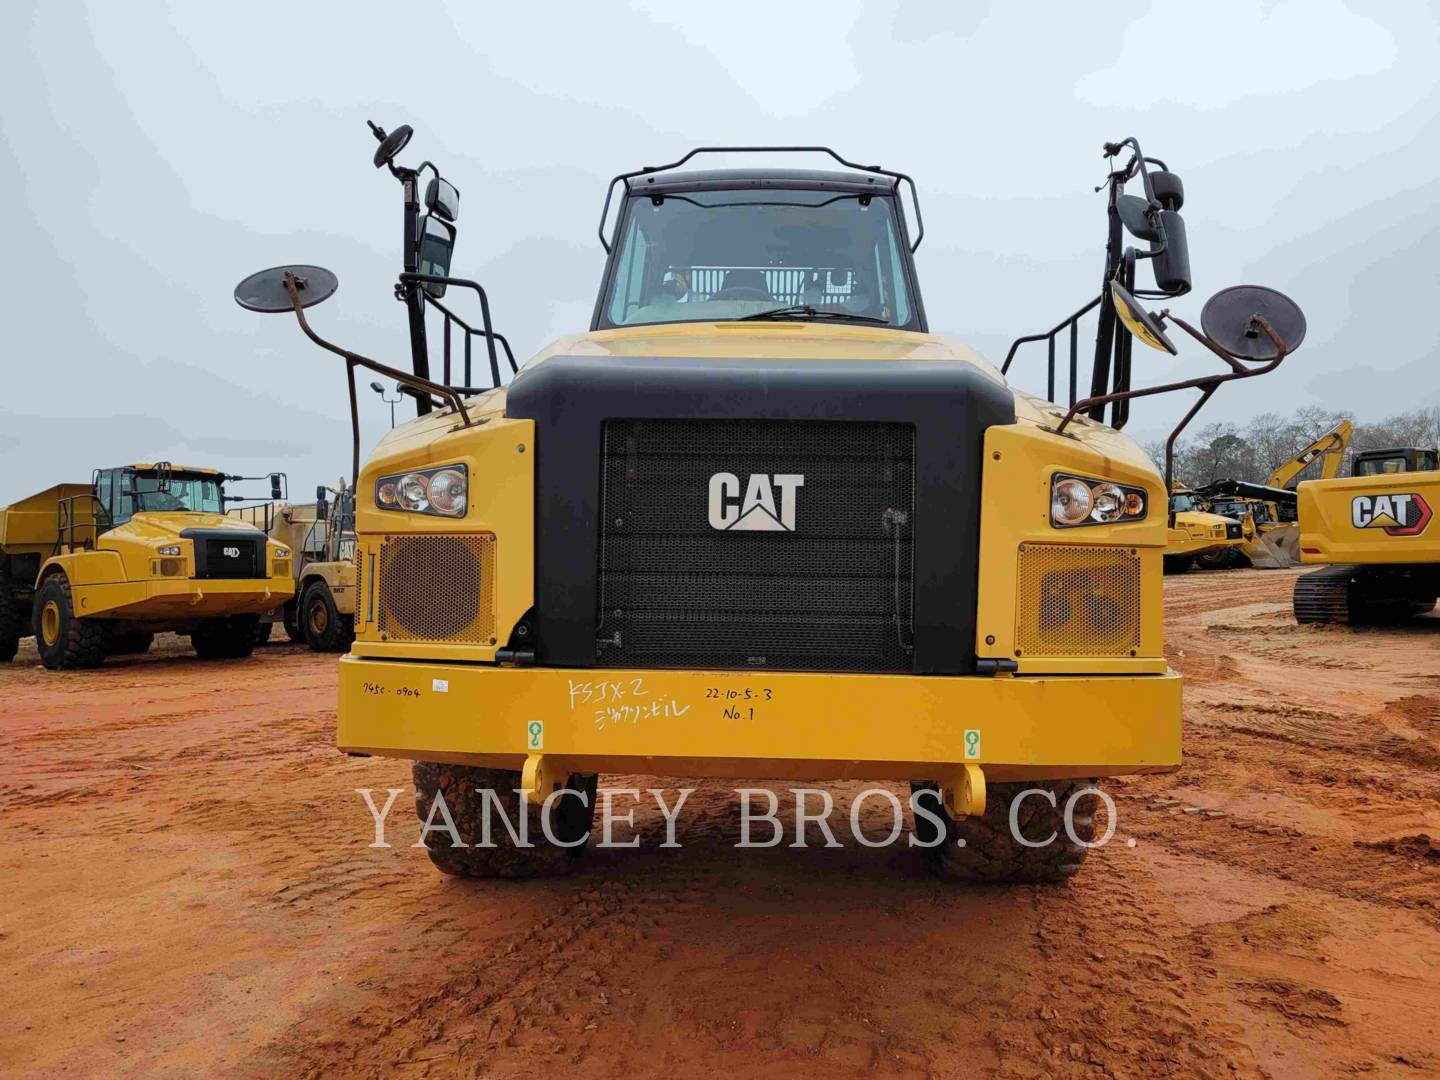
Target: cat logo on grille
(767, 505)
(231, 552)
(1397, 514)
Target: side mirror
(1144, 326)
(265, 290)
(437, 243)
(322, 504)
(390, 144)
(1172, 264)
(442, 199)
(1135, 214)
(1228, 320)
(275, 489)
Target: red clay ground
(188, 890)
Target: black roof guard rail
(646, 170)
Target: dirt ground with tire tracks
(188, 889)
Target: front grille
(1075, 600)
(823, 583)
(438, 589)
(226, 557)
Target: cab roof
(723, 179)
(147, 466)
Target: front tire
(229, 637)
(462, 787)
(66, 642)
(325, 628)
(992, 853)
(262, 632)
(1178, 564)
(291, 619)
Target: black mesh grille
(834, 593)
(228, 558)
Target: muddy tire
(1215, 559)
(66, 642)
(991, 852)
(461, 786)
(131, 644)
(262, 633)
(230, 637)
(11, 622)
(291, 619)
(326, 629)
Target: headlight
(443, 491)
(1078, 500)
(168, 549)
(1108, 503)
(282, 553)
(447, 491)
(1069, 502)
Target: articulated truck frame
(759, 521)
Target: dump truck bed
(32, 524)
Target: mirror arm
(1203, 382)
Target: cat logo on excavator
(1398, 514)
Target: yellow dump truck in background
(95, 570)
(321, 538)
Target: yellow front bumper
(781, 725)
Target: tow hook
(963, 792)
(541, 776)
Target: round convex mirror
(1227, 320)
(265, 290)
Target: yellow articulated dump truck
(1376, 536)
(759, 521)
(1198, 536)
(93, 570)
(321, 536)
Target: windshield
(722, 255)
(183, 492)
(1180, 503)
(1380, 466)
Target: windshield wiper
(807, 311)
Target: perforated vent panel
(813, 575)
(438, 588)
(1078, 601)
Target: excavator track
(1323, 596)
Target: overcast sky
(155, 154)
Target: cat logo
(231, 552)
(768, 504)
(1398, 515)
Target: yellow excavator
(1373, 536)
(1267, 512)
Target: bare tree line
(1254, 450)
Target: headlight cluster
(443, 491)
(1077, 500)
(168, 549)
(282, 553)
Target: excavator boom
(1331, 446)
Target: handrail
(488, 331)
(1073, 322)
